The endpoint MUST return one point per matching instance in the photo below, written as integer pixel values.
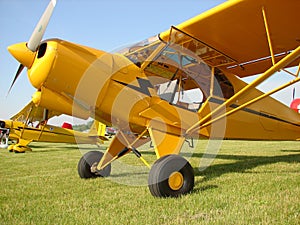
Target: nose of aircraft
(21, 53)
(25, 52)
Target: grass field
(248, 183)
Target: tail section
(295, 105)
(67, 126)
(98, 129)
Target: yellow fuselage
(85, 82)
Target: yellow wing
(237, 29)
(32, 113)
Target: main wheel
(87, 161)
(171, 176)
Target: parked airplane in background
(295, 105)
(183, 83)
(30, 125)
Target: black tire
(85, 163)
(159, 181)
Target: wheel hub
(175, 181)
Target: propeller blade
(21, 67)
(40, 28)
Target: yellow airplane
(183, 83)
(30, 125)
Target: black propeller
(19, 71)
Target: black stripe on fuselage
(143, 87)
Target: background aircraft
(295, 105)
(184, 83)
(30, 125)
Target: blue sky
(102, 24)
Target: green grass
(248, 183)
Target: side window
(222, 86)
(167, 90)
(180, 78)
(188, 99)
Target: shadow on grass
(242, 164)
(143, 152)
(204, 188)
(290, 151)
(127, 174)
(37, 147)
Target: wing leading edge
(33, 113)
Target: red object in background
(295, 105)
(67, 126)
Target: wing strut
(281, 64)
(297, 79)
(268, 35)
(26, 121)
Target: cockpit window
(187, 99)
(139, 52)
(179, 78)
(182, 70)
(222, 86)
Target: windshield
(180, 77)
(139, 52)
(183, 71)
